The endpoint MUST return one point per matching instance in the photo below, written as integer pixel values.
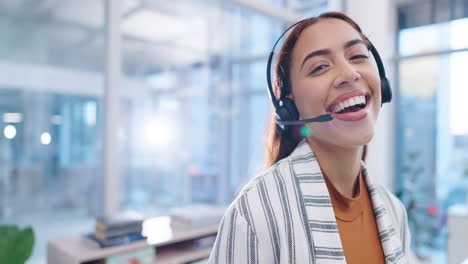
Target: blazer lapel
(320, 219)
(389, 238)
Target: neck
(341, 165)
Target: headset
(285, 109)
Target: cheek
(376, 111)
(377, 97)
(373, 80)
(310, 99)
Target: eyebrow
(327, 51)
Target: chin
(349, 137)
(362, 138)
(356, 138)
(351, 140)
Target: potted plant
(15, 245)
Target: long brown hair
(280, 144)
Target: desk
(457, 240)
(163, 236)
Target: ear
(290, 96)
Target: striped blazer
(285, 215)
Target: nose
(347, 74)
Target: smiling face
(332, 72)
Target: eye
(360, 56)
(318, 68)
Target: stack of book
(117, 231)
(196, 216)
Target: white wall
(378, 21)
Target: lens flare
(305, 131)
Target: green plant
(15, 245)
(420, 205)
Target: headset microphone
(321, 118)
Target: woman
(316, 203)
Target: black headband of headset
(275, 101)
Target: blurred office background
(186, 79)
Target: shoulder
(255, 216)
(267, 176)
(262, 191)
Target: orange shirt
(357, 225)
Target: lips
(354, 116)
(344, 97)
(350, 116)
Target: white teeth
(349, 102)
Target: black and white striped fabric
(285, 215)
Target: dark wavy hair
(281, 144)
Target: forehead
(328, 33)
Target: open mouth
(350, 105)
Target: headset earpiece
(386, 90)
(287, 110)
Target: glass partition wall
(51, 84)
(432, 133)
(185, 132)
(193, 107)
